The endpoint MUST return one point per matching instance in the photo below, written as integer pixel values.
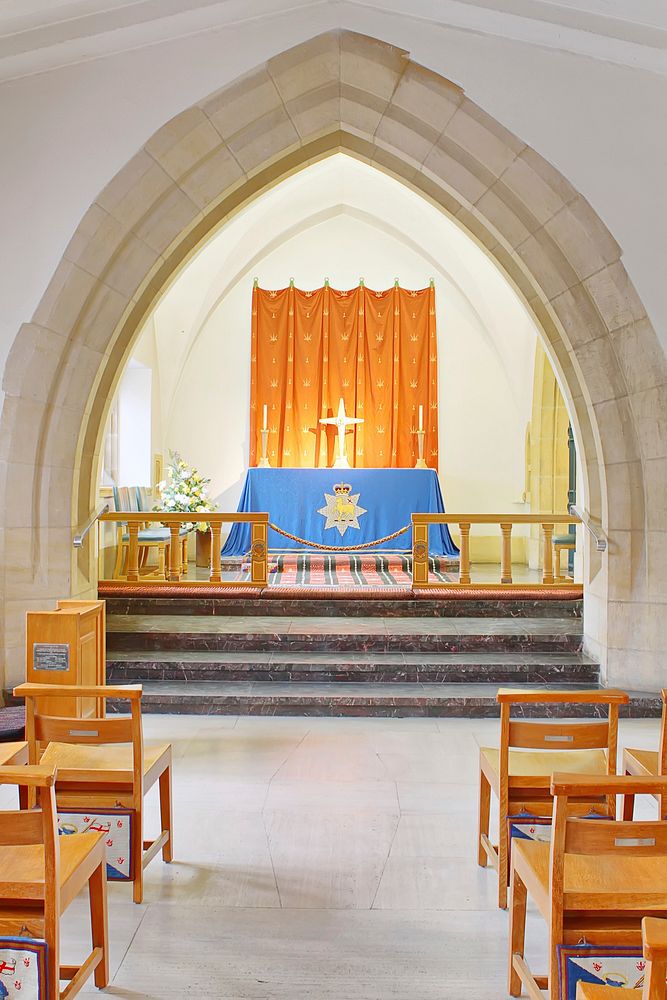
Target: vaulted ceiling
(38, 35)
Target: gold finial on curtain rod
(431, 282)
(255, 282)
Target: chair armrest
(607, 784)
(131, 692)
(30, 775)
(608, 696)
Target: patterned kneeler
(606, 965)
(116, 825)
(22, 968)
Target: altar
(341, 508)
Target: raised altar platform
(305, 503)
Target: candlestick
(421, 418)
(420, 463)
(264, 462)
(265, 425)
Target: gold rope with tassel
(339, 548)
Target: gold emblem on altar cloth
(342, 510)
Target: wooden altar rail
(259, 527)
(420, 526)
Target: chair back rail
(626, 838)
(93, 731)
(24, 827)
(559, 735)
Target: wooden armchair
(137, 499)
(654, 938)
(593, 883)
(100, 783)
(41, 873)
(519, 772)
(646, 762)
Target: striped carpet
(344, 570)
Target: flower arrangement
(184, 490)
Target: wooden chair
(95, 774)
(521, 779)
(41, 873)
(137, 499)
(560, 543)
(654, 939)
(593, 883)
(646, 762)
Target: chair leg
(161, 561)
(517, 932)
(484, 810)
(138, 850)
(503, 863)
(99, 922)
(628, 805)
(166, 814)
(24, 797)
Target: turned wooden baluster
(216, 547)
(259, 569)
(464, 556)
(175, 553)
(506, 554)
(133, 552)
(548, 554)
(419, 552)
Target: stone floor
(318, 859)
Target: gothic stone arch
(341, 91)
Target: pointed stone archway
(342, 91)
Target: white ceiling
(38, 35)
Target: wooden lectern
(68, 646)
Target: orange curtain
(375, 350)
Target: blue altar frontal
(304, 502)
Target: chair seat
(646, 761)
(13, 753)
(541, 764)
(564, 540)
(604, 882)
(23, 865)
(112, 763)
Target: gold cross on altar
(341, 421)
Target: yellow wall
(547, 459)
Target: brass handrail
(598, 535)
(81, 533)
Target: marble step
(355, 667)
(394, 606)
(287, 634)
(341, 699)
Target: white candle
(421, 418)
(266, 417)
